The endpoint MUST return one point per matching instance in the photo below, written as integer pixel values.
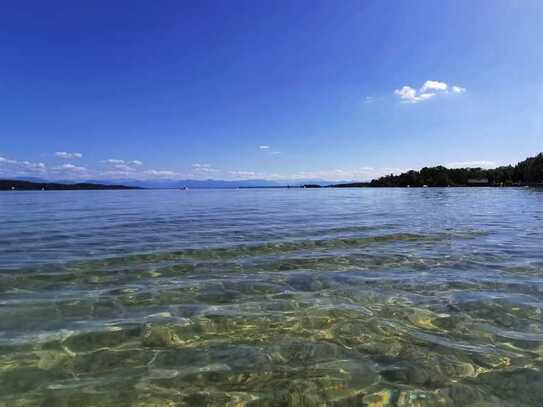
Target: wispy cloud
(69, 167)
(368, 100)
(67, 155)
(203, 168)
(118, 161)
(7, 161)
(124, 167)
(243, 174)
(118, 168)
(268, 149)
(342, 174)
(21, 167)
(330, 175)
(458, 89)
(161, 173)
(428, 90)
(472, 164)
(198, 171)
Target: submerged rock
(522, 385)
(383, 398)
(158, 336)
(155, 402)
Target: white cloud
(66, 155)
(6, 161)
(368, 100)
(124, 167)
(433, 85)
(428, 90)
(409, 95)
(118, 161)
(458, 89)
(243, 174)
(406, 93)
(339, 174)
(22, 167)
(330, 175)
(472, 164)
(28, 164)
(269, 150)
(70, 167)
(161, 173)
(203, 168)
(425, 96)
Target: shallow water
(331, 297)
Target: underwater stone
(382, 398)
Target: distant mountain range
(188, 183)
(528, 172)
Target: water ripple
(266, 297)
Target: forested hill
(17, 185)
(527, 172)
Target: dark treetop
(527, 172)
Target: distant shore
(527, 173)
(486, 185)
(16, 185)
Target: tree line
(527, 172)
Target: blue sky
(267, 89)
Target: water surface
(331, 297)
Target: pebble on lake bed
(383, 398)
(162, 336)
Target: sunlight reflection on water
(378, 297)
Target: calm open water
(331, 297)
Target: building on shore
(478, 182)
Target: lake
(272, 297)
